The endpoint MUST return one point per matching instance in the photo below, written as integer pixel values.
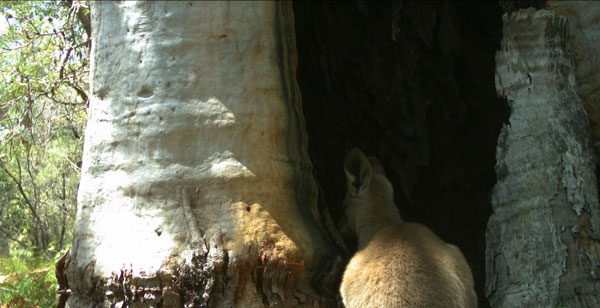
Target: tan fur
(398, 264)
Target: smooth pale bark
(196, 186)
(542, 239)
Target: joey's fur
(399, 264)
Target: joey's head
(369, 203)
(358, 173)
(365, 175)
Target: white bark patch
(129, 233)
(217, 114)
(224, 165)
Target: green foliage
(43, 109)
(27, 281)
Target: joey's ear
(358, 172)
(376, 165)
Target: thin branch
(81, 15)
(37, 36)
(61, 103)
(9, 236)
(37, 31)
(64, 208)
(14, 100)
(36, 191)
(64, 62)
(79, 91)
(73, 165)
(21, 190)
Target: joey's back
(398, 264)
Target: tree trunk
(196, 187)
(584, 39)
(542, 239)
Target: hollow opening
(411, 83)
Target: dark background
(411, 83)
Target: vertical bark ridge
(297, 144)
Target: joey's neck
(374, 215)
(369, 229)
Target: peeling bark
(542, 239)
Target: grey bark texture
(196, 187)
(584, 39)
(542, 238)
